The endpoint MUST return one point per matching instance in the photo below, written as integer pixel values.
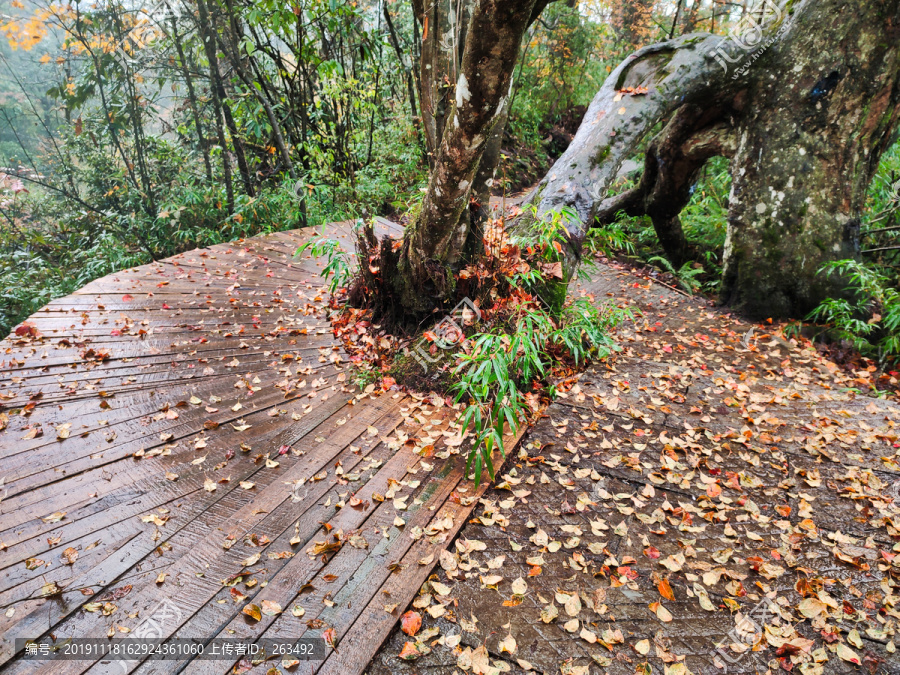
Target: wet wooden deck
(187, 421)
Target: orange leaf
(330, 635)
(409, 652)
(665, 590)
(410, 623)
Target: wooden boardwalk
(182, 424)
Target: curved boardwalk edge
(741, 469)
(185, 434)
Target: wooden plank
(358, 642)
(225, 619)
(24, 475)
(156, 491)
(240, 521)
(208, 294)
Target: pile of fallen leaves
(716, 500)
(489, 300)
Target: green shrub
(498, 370)
(870, 320)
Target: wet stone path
(715, 499)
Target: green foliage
(566, 57)
(362, 375)
(880, 227)
(686, 275)
(704, 221)
(52, 244)
(337, 270)
(487, 383)
(584, 329)
(793, 330)
(545, 238)
(498, 369)
(122, 157)
(705, 217)
(870, 320)
(609, 240)
(547, 233)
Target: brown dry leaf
(508, 645)
(33, 433)
(812, 607)
(490, 580)
(50, 589)
(847, 654)
(324, 548)
(253, 612)
(573, 605)
(661, 612)
(69, 556)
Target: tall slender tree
(804, 99)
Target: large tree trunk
(434, 243)
(469, 52)
(661, 79)
(444, 27)
(805, 126)
(463, 126)
(809, 147)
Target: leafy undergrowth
(870, 320)
(859, 332)
(502, 354)
(719, 501)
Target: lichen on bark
(804, 128)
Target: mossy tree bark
(804, 115)
(654, 83)
(805, 118)
(444, 25)
(465, 138)
(809, 147)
